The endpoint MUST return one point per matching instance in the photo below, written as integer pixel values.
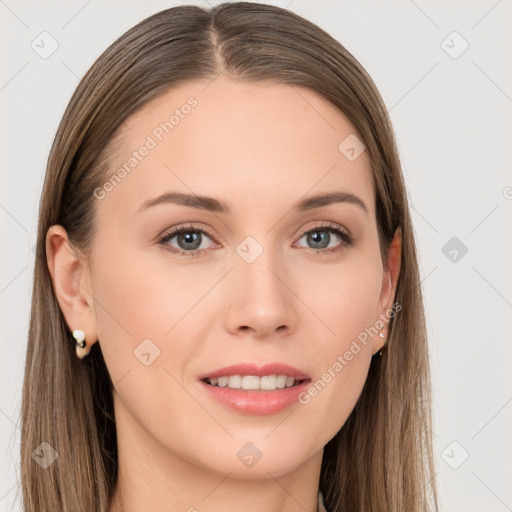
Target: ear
(389, 284)
(71, 282)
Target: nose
(262, 301)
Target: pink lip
(260, 371)
(256, 402)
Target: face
(257, 274)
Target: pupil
(317, 240)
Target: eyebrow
(214, 205)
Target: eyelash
(347, 239)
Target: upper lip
(254, 369)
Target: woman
(225, 243)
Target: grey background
(452, 118)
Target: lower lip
(257, 402)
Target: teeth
(235, 382)
(253, 382)
(281, 381)
(269, 383)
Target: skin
(260, 148)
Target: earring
(380, 326)
(81, 347)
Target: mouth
(249, 376)
(254, 382)
(254, 394)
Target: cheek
(145, 324)
(344, 298)
(139, 310)
(345, 302)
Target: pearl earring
(81, 347)
(380, 325)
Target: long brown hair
(381, 459)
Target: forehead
(251, 142)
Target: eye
(320, 238)
(189, 240)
